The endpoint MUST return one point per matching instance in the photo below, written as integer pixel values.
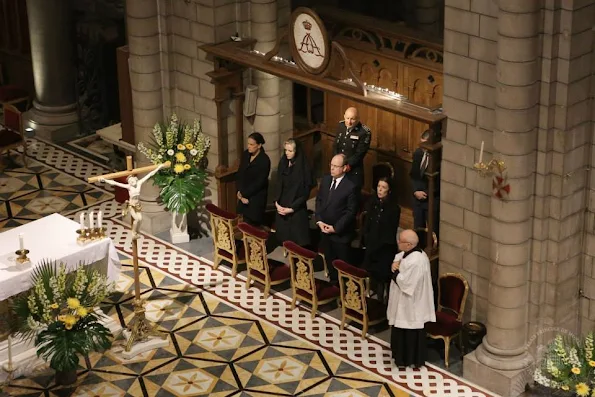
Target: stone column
(264, 30)
(427, 15)
(147, 97)
(502, 359)
(50, 30)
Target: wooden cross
(129, 171)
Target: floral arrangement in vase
(183, 184)
(568, 366)
(58, 311)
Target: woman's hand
(396, 266)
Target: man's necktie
(424, 163)
(333, 186)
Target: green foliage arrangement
(568, 365)
(58, 313)
(183, 184)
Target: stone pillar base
(56, 124)
(153, 222)
(504, 383)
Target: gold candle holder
(98, 233)
(488, 169)
(22, 256)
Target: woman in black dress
(294, 183)
(383, 215)
(253, 181)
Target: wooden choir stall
(339, 60)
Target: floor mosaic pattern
(215, 350)
(272, 344)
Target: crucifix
(140, 328)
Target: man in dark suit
(336, 207)
(419, 180)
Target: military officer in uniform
(353, 140)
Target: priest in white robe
(411, 302)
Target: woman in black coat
(294, 183)
(253, 181)
(380, 236)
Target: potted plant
(568, 367)
(183, 184)
(58, 311)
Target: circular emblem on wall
(309, 41)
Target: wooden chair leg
(267, 289)
(365, 329)
(314, 310)
(446, 350)
(294, 300)
(248, 282)
(216, 260)
(234, 268)
(343, 318)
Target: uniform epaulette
(365, 127)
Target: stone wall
(469, 80)
(559, 185)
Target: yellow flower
(181, 147)
(180, 157)
(54, 306)
(178, 168)
(187, 166)
(576, 370)
(564, 387)
(69, 321)
(582, 389)
(62, 317)
(82, 311)
(73, 303)
(592, 363)
(189, 146)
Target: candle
(21, 241)
(9, 352)
(99, 219)
(91, 223)
(481, 153)
(82, 220)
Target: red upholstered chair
(267, 271)
(227, 247)
(12, 134)
(355, 303)
(452, 295)
(303, 283)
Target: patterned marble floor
(329, 347)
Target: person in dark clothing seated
(383, 215)
(294, 183)
(253, 181)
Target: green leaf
(184, 193)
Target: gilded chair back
(453, 289)
(355, 285)
(301, 263)
(222, 229)
(256, 252)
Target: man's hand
(244, 200)
(396, 266)
(330, 229)
(322, 226)
(239, 195)
(420, 195)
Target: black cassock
(294, 183)
(253, 182)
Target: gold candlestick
(22, 256)
(488, 169)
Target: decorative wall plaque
(309, 40)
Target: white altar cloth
(52, 237)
